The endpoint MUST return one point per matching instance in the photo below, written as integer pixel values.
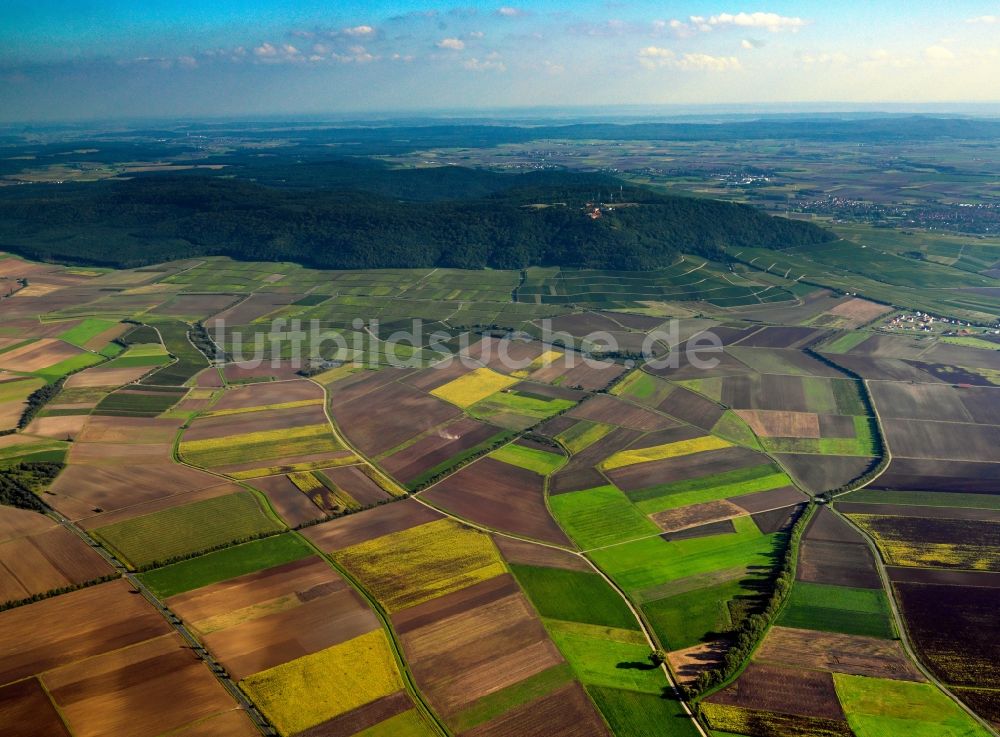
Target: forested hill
(376, 220)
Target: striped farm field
(305, 481)
(310, 690)
(259, 446)
(473, 387)
(667, 450)
(583, 434)
(413, 566)
(599, 517)
(828, 608)
(186, 529)
(261, 408)
(725, 485)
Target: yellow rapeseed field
(901, 549)
(387, 484)
(259, 445)
(546, 359)
(413, 566)
(474, 386)
(305, 481)
(312, 689)
(668, 450)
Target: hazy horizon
(65, 61)
(526, 115)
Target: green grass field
(711, 387)
(19, 389)
(225, 564)
(408, 724)
(140, 355)
(187, 529)
(732, 427)
(653, 561)
(819, 393)
(637, 714)
(826, 608)
(879, 707)
(849, 397)
(603, 656)
(69, 366)
(845, 342)
(574, 596)
(133, 404)
(599, 517)
(112, 350)
(642, 387)
(519, 403)
(87, 330)
(709, 488)
(531, 688)
(683, 620)
(533, 459)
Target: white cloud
(476, 34)
(769, 21)
(490, 64)
(509, 12)
(985, 20)
(705, 24)
(939, 53)
(654, 57)
(452, 44)
(656, 53)
(704, 62)
(268, 53)
(359, 31)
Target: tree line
(148, 220)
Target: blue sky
(65, 59)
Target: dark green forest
(358, 214)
